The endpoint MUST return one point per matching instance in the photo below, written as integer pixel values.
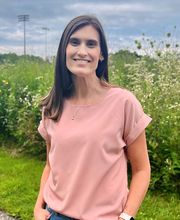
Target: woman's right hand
(41, 214)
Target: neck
(86, 87)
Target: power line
(24, 18)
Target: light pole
(46, 30)
(24, 18)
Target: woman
(91, 129)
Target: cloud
(110, 8)
(120, 19)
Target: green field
(19, 185)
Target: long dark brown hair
(63, 86)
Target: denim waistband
(64, 217)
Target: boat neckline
(93, 104)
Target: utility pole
(46, 30)
(24, 18)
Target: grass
(160, 207)
(19, 185)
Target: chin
(81, 73)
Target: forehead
(87, 32)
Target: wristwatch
(125, 216)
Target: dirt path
(4, 216)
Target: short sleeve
(135, 120)
(42, 129)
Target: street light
(46, 30)
(24, 18)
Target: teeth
(79, 60)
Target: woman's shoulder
(122, 93)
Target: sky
(124, 21)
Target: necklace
(75, 114)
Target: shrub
(22, 86)
(154, 80)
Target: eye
(91, 43)
(74, 42)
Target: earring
(101, 58)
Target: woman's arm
(138, 155)
(40, 201)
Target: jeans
(57, 216)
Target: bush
(22, 87)
(154, 80)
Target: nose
(82, 50)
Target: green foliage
(156, 83)
(117, 63)
(22, 85)
(158, 90)
(153, 79)
(4, 94)
(14, 58)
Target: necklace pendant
(75, 114)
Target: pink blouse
(88, 177)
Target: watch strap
(125, 216)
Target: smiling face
(83, 51)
